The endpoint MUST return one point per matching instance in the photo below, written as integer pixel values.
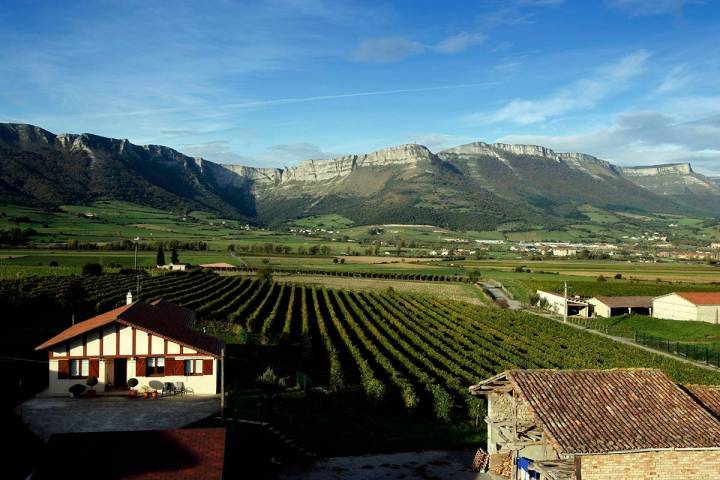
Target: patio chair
(169, 389)
(182, 389)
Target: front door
(120, 368)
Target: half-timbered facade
(152, 342)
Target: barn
(615, 306)
(690, 306)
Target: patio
(47, 415)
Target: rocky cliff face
(657, 170)
(409, 155)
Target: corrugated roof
(162, 318)
(604, 411)
(188, 454)
(701, 298)
(626, 302)
(708, 396)
(218, 265)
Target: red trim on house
(117, 339)
(134, 341)
(101, 341)
(165, 347)
(84, 345)
(149, 349)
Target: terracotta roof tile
(162, 318)
(188, 454)
(708, 396)
(701, 298)
(603, 411)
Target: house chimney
(129, 298)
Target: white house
(175, 267)
(695, 306)
(152, 342)
(557, 303)
(614, 306)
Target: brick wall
(671, 465)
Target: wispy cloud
(650, 8)
(386, 49)
(582, 94)
(459, 42)
(643, 138)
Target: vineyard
(419, 352)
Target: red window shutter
(140, 367)
(208, 367)
(63, 369)
(94, 368)
(170, 366)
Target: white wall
(60, 386)
(599, 308)
(556, 303)
(674, 307)
(709, 313)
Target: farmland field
(417, 351)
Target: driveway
(498, 293)
(45, 416)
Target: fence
(708, 353)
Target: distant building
(599, 425)
(218, 266)
(193, 453)
(175, 267)
(556, 304)
(152, 342)
(616, 306)
(692, 306)
(564, 252)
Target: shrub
(77, 389)
(534, 299)
(92, 269)
(53, 263)
(91, 381)
(618, 276)
(271, 384)
(601, 278)
(132, 383)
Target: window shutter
(171, 367)
(63, 369)
(140, 367)
(208, 367)
(94, 368)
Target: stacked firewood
(501, 464)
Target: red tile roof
(161, 318)
(604, 411)
(708, 396)
(626, 302)
(189, 454)
(701, 298)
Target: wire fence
(703, 352)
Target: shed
(218, 266)
(689, 306)
(615, 306)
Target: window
(155, 366)
(79, 368)
(193, 367)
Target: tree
(160, 258)
(92, 269)
(73, 297)
(174, 258)
(264, 273)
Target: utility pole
(137, 272)
(222, 382)
(566, 305)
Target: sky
(272, 83)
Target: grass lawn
(673, 330)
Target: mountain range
(478, 185)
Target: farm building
(556, 303)
(615, 306)
(194, 453)
(175, 267)
(218, 266)
(597, 425)
(694, 306)
(152, 342)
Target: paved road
(496, 292)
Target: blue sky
(271, 83)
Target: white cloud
(649, 8)
(459, 42)
(387, 49)
(675, 79)
(643, 138)
(582, 94)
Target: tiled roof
(701, 298)
(159, 317)
(708, 396)
(189, 454)
(603, 411)
(626, 302)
